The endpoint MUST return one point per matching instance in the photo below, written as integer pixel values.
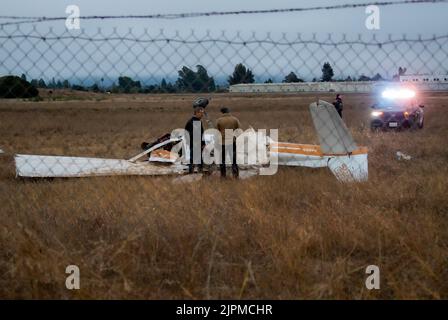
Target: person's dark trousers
(191, 165)
(235, 169)
(340, 113)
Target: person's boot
(235, 172)
(223, 171)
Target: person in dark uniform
(338, 104)
(228, 144)
(196, 143)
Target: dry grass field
(297, 235)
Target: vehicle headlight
(377, 113)
(398, 94)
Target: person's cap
(200, 103)
(225, 110)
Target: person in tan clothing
(228, 121)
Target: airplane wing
(57, 166)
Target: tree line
(190, 80)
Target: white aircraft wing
(56, 166)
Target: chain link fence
(34, 60)
(151, 61)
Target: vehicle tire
(421, 121)
(375, 129)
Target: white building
(421, 82)
(422, 78)
(427, 82)
(356, 86)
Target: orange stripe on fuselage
(309, 149)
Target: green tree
(52, 84)
(191, 81)
(170, 88)
(16, 87)
(241, 74)
(42, 83)
(151, 89)
(327, 72)
(66, 84)
(364, 78)
(78, 87)
(163, 86)
(187, 80)
(292, 77)
(268, 81)
(127, 85)
(377, 77)
(208, 83)
(95, 88)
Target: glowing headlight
(377, 113)
(398, 94)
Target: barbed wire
(36, 19)
(245, 42)
(419, 39)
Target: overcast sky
(410, 19)
(86, 60)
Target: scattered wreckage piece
(403, 156)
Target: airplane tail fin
(334, 137)
(348, 162)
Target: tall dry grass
(296, 235)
